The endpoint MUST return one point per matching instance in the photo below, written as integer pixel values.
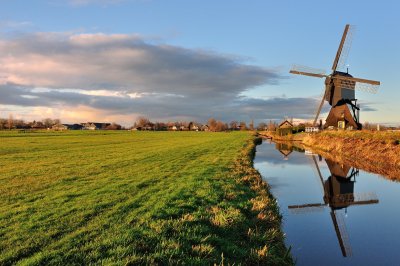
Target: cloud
(158, 106)
(121, 74)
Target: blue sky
(256, 39)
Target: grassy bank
(135, 198)
(377, 152)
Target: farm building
(284, 128)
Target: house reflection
(286, 148)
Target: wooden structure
(339, 88)
(284, 128)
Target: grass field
(134, 198)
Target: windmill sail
(346, 48)
(367, 85)
(341, 233)
(340, 49)
(308, 71)
(320, 107)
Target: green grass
(131, 197)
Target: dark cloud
(126, 63)
(161, 106)
(126, 74)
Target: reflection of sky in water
(373, 230)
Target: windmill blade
(306, 208)
(341, 233)
(365, 198)
(308, 71)
(320, 107)
(367, 85)
(317, 172)
(346, 48)
(339, 51)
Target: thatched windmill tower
(339, 87)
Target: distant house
(74, 126)
(60, 127)
(94, 126)
(205, 128)
(312, 129)
(193, 126)
(37, 125)
(284, 128)
(174, 128)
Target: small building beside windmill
(284, 128)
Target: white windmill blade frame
(346, 48)
(307, 69)
(343, 233)
(361, 86)
(365, 196)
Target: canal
(333, 214)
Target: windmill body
(340, 88)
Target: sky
(115, 60)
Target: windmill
(338, 194)
(340, 87)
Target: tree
(251, 125)
(262, 126)
(47, 122)
(220, 126)
(113, 126)
(233, 125)
(142, 121)
(56, 121)
(3, 123)
(243, 125)
(212, 124)
(272, 126)
(10, 122)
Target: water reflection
(327, 206)
(339, 194)
(286, 148)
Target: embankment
(377, 152)
(266, 224)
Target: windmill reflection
(339, 194)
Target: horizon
(116, 60)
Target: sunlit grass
(129, 197)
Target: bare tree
(56, 121)
(212, 124)
(251, 125)
(243, 125)
(10, 122)
(3, 123)
(47, 122)
(262, 126)
(142, 121)
(220, 126)
(113, 126)
(233, 125)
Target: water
(341, 216)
